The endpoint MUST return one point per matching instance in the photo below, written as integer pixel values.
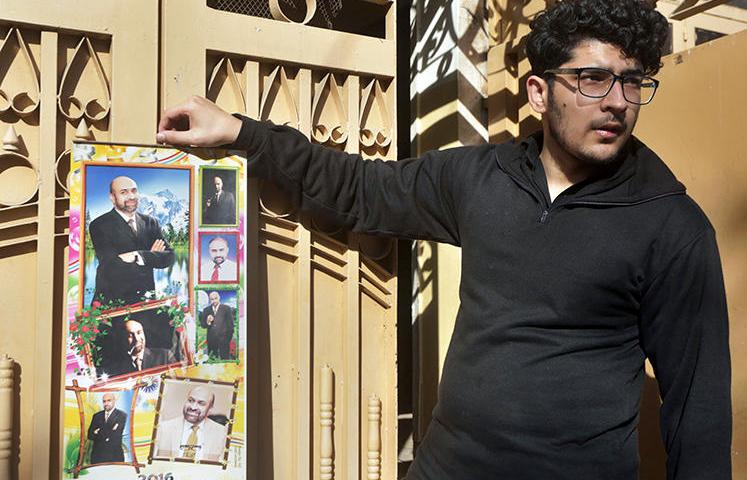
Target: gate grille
(327, 10)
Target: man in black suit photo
(134, 356)
(105, 432)
(218, 319)
(219, 206)
(128, 246)
(139, 356)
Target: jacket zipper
(546, 212)
(547, 209)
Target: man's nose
(615, 99)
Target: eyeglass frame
(615, 77)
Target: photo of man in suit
(219, 267)
(219, 204)
(192, 435)
(105, 432)
(218, 319)
(128, 246)
(138, 356)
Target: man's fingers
(175, 137)
(175, 118)
(158, 246)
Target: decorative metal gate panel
(68, 69)
(322, 338)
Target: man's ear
(538, 93)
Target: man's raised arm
(413, 198)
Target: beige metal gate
(322, 334)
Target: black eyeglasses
(598, 82)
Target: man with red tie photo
(220, 266)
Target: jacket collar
(638, 176)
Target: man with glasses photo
(582, 256)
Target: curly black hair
(631, 25)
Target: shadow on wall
(425, 335)
(439, 45)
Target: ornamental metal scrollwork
(224, 81)
(23, 102)
(278, 102)
(375, 248)
(19, 180)
(62, 164)
(70, 100)
(278, 14)
(274, 202)
(329, 121)
(375, 119)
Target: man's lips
(609, 130)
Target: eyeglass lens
(597, 83)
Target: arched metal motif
(374, 131)
(72, 106)
(19, 180)
(326, 227)
(277, 91)
(21, 102)
(329, 121)
(375, 248)
(274, 202)
(224, 76)
(277, 12)
(62, 164)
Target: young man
(581, 256)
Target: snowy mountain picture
(165, 207)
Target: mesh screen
(326, 12)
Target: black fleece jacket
(560, 303)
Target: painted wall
(696, 124)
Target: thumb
(174, 137)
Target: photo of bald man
(105, 432)
(128, 246)
(218, 257)
(193, 435)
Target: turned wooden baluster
(374, 438)
(6, 414)
(327, 414)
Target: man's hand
(210, 319)
(96, 431)
(197, 122)
(128, 257)
(158, 246)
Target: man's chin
(603, 154)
